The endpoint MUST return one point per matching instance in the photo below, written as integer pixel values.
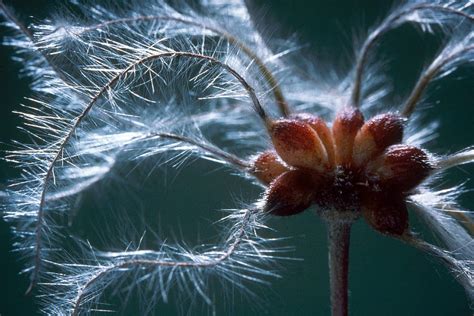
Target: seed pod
(376, 135)
(347, 123)
(267, 166)
(323, 131)
(291, 193)
(386, 213)
(298, 145)
(401, 167)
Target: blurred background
(387, 278)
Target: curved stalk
(460, 158)
(386, 26)
(427, 76)
(215, 151)
(59, 153)
(462, 271)
(266, 72)
(150, 264)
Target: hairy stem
(463, 157)
(338, 243)
(388, 24)
(266, 72)
(238, 237)
(428, 76)
(77, 121)
(462, 269)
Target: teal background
(387, 278)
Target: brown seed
(267, 166)
(376, 135)
(323, 131)
(298, 145)
(385, 213)
(401, 167)
(291, 193)
(347, 123)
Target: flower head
(355, 168)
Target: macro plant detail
(152, 84)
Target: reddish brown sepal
(291, 193)
(298, 144)
(267, 166)
(323, 131)
(402, 167)
(376, 135)
(386, 213)
(347, 123)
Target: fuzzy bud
(291, 193)
(298, 144)
(347, 123)
(376, 135)
(401, 167)
(386, 213)
(323, 131)
(268, 166)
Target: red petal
(401, 167)
(298, 144)
(267, 166)
(291, 193)
(346, 125)
(376, 135)
(386, 214)
(323, 131)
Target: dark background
(387, 278)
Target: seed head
(372, 173)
